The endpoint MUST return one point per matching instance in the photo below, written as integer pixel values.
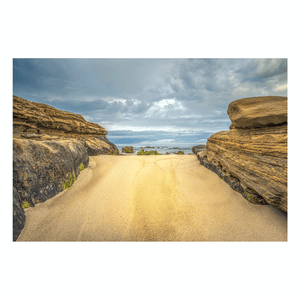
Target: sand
(151, 198)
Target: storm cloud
(170, 100)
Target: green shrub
(127, 151)
(249, 196)
(151, 152)
(81, 167)
(69, 183)
(180, 152)
(25, 204)
(66, 184)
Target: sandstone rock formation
(33, 117)
(258, 112)
(198, 148)
(37, 121)
(48, 146)
(252, 156)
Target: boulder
(252, 160)
(198, 148)
(99, 145)
(128, 149)
(258, 112)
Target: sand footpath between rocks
(151, 198)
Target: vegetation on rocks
(72, 179)
(69, 183)
(81, 167)
(128, 149)
(25, 204)
(151, 152)
(249, 196)
(180, 152)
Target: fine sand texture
(151, 198)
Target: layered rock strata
(33, 117)
(252, 156)
(49, 145)
(37, 121)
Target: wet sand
(151, 198)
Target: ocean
(160, 149)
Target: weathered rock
(33, 117)
(40, 169)
(198, 148)
(99, 145)
(253, 161)
(48, 147)
(258, 112)
(128, 149)
(18, 215)
(37, 121)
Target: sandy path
(151, 198)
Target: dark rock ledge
(233, 182)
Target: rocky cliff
(37, 121)
(252, 156)
(33, 117)
(49, 146)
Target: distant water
(159, 149)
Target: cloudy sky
(150, 101)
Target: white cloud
(281, 87)
(164, 106)
(136, 101)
